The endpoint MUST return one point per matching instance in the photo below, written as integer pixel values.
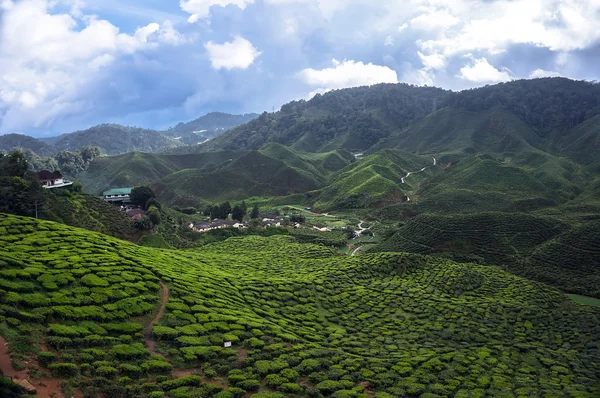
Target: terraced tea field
(302, 320)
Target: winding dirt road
(402, 180)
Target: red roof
(46, 175)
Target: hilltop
(504, 118)
(116, 139)
(302, 320)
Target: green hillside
(302, 320)
(457, 131)
(320, 166)
(371, 181)
(253, 174)
(351, 119)
(571, 260)
(547, 114)
(540, 248)
(89, 212)
(135, 168)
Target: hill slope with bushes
(302, 320)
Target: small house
(220, 224)
(52, 179)
(117, 195)
(202, 227)
(135, 214)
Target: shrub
(106, 371)
(93, 280)
(45, 358)
(291, 388)
(249, 385)
(157, 367)
(64, 369)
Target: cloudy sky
(70, 64)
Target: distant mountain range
(115, 139)
(207, 127)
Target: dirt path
(164, 297)
(45, 387)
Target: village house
(134, 214)
(52, 180)
(117, 195)
(201, 227)
(215, 224)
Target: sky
(66, 65)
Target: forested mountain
(114, 139)
(504, 118)
(352, 119)
(207, 127)
(10, 142)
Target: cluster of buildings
(265, 221)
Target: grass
(301, 317)
(585, 300)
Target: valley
(380, 241)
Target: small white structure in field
(227, 344)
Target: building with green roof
(117, 195)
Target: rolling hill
(370, 182)
(118, 319)
(201, 178)
(135, 168)
(253, 174)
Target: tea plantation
(302, 320)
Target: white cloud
(433, 61)
(43, 71)
(434, 20)
(559, 25)
(389, 41)
(348, 73)
(543, 73)
(201, 8)
(239, 53)
(481, 71)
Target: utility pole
(36, 204)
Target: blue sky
(70, 64)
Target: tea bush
(301, 319)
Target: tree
(254, 212)
(70, 162)
(154, 215)
(224, 210)
(238, 213)
(89, 153)
(141, 195)
(153, 202)
(142, 223)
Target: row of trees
(223, 210)
(70, 162)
